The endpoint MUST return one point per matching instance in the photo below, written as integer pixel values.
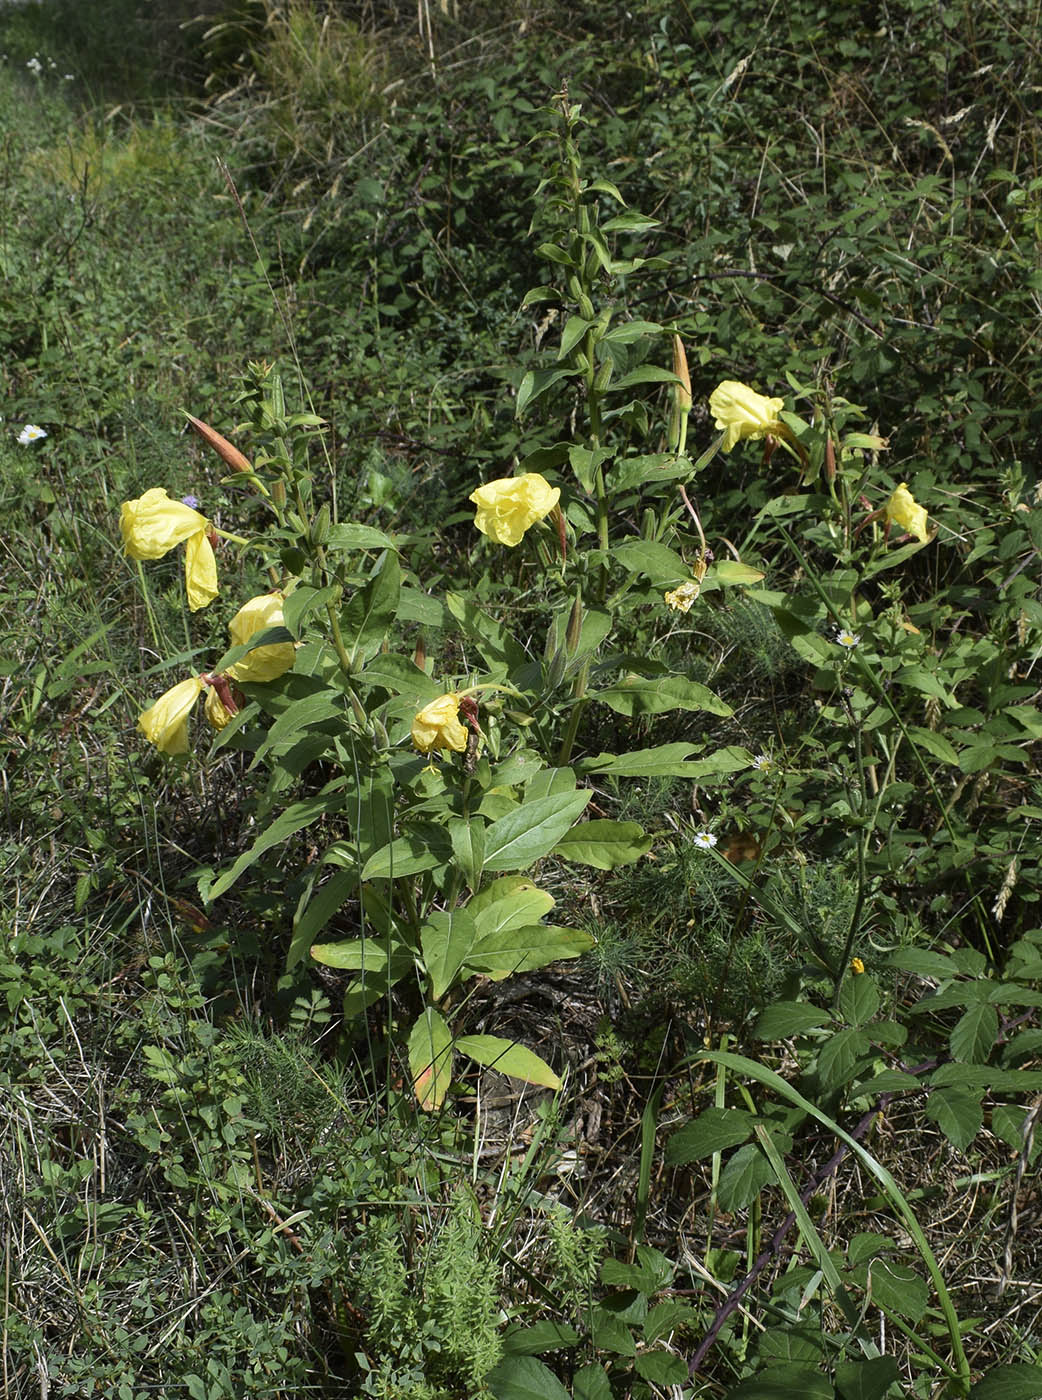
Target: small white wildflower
(30, 433)
(763, 763)
(846, 638)
(704, 840)
(34, 66)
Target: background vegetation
(214, 1182)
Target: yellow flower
(216, 711)
(740, 412)
(903, 509)
(166, 723)
(857, 967)
(437, 726)
(681, 599)
(265, 663)
(153, 524)
(507, 507)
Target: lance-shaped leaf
(446, 938)
(530, 832)
(509, 1058)
(430, 1059)
(635, 696)
(523, 949)
(604, 844)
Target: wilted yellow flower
(166, 723)
(265, 663)
(682, 598)
(437, 726)
(217, 713)
(153, 524)
(857, 967)
(740, 412)
(903, 509)
(507, 507)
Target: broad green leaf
(548, 781)
(925, 963)
(446, 938)
(858, 998)
(543, 293)
(1017, 1381)
(957, 1114)
(292, 820)
(491, 638)
(935, 744)
(714, 1130)
(591, 1383)
(604, 844)
(644, 374)
(787, 1018)
(574, 330)
(867, 1379)
(667, 761)
(973, 1038)
(610, 1333)
(532, 830)
(400, 676)
(508, 1057)
(662, 565)
(525, 1378)
(894, 1286)
(784, 1383)
(838, 1056)
(357, 537)
(362, 954)
(918, 678)
(430, 1059)
(584, 462)
(418, 850)
(314, 913)
(659, 468)
(320, 708)
(743, 1178)
(538, 1337)
(524, 948)
(302, 602)
(634, 696)
(512, 901)
(414, 606)
(661, 1367)
(467, 835)
(729, 572)
(536, 383)
(626, 332)
(366, 617)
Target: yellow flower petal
(903, 510)
(265, 663)
(507, 507)
(200, 571)
(166, 723)
(437, 726)
(740, 413)
(153, 524)
(682, 599)
(216, 713)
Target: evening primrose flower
(857, 967)
(903, 510)
(682, 598)
(704, 840)
(217, 712)
(153, 524)
(507, 507)
(30, 433)
(166, 723)
(264, 663)
(740, 413)
(437, 726)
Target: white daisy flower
(34, 66)
(846, 638)
(704, 840)
(763, 763)
(30, 433)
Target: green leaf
(838, 1056)
(787, 1018)
(357, 537)
(524, 948)
(493, 641)
(667, 761)
(368, 614)
(430, 1059)
(537, 382)
(574, 330)
(894, 1286)
(868, 1379)
(423, 848)
(400, 676)
(591, 1383)
(743, 1178)
(858, 998)
(311, 711)
(973, 1038)
(730, 572)
(538, 1337)
(532, 830)
(662, 565)
(934, 743)
(604, 844)
(644, 374)
(295, 818)
(634, 696)
(508, 1057)
(512, 901)
(446, 938)
(784, 1383)
(1017, 1381)
(525, 1378)
(714, 1130)
(609, 1333)
(467, 835)
(660, 1367)
(957, 1114)
(313, 914)
(370, 955)
(302, 602)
